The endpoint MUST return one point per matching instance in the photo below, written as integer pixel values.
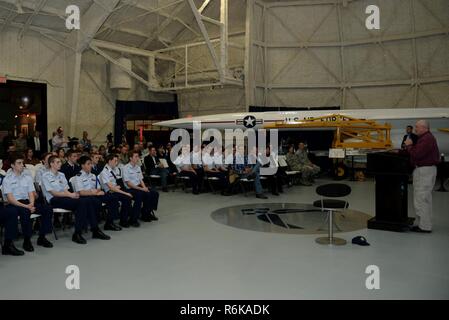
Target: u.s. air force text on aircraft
(230, 310)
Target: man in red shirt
(424, 157)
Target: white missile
(399, 119)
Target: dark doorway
(134, 121)
(23, 109)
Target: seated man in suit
(71, 167)
(154, 167)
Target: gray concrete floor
(187, 255)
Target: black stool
(334, 190)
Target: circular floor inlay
(294, 218)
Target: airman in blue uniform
(108, 179)
(18, 189)
(88, 186)
(133, 178)
(56, 190)
(9, 219)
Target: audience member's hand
(129, 195)
(74, 195)
(31, 208)
(145, 189)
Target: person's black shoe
(97, 234)
(27, 245)
(226, 194)
(124, 224)
(164, 190)
(112, 227)
(275, 193)
(146, 218)
(419, 230)
(153, 217)
(11, 250)
(78, 238)
(196, 193)
(43, 242)
(134, 224)
(261, 196)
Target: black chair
(334, 190)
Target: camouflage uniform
(308, 168)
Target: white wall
(36, 58)
(39, 59)
(318, 55)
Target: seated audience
(133, 178)
(9, 219)
(85, 143)
(309, 170)
(212, 169)
(112, 184)
(154, 166)
(185, 168)
(275, 180)
(21, 143)
(18, 188)
(124, 157)
(60, 153)
(29, 157)
(88, 186)
(97, 165)
(71, 167)
(56, 190)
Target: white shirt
(37, 144)
(183, 162)
(132, 174)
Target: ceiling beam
(47, 10)
(156, 34)
(20, 25)
(130, 50)
(92, 20)
(159, 11)
(37, 9)
(204, 6)
(199, 20)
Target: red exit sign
(3, 79)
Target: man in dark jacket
(410, 135)
(154, 166)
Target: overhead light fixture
(21, 107)
(16, 116)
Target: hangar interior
(209, 57)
